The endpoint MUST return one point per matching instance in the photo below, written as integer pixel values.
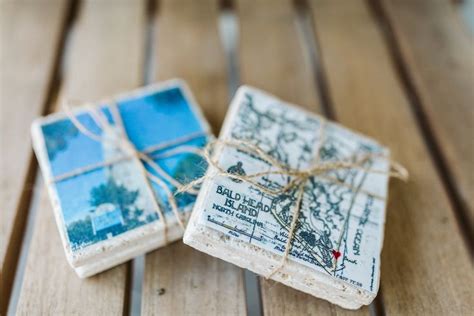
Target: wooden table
(400, 71)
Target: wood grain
(425, 266)
(105, 57)
(178, 279)
(272, 58)
(30, 38)
(188, 47)
(271, 53)
(439, 56)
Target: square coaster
(337, 238)
(111, 167)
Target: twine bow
(299, 177)
(120, 140)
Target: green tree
(80, 232)
(111, 192)
(121, 197)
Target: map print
(340, 226)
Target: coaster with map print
(104, 202)
(336, 244)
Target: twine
(299, 177)
(130, 152)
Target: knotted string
(299, 177)
(130, 152)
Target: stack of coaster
(336, 239)
(111, 169)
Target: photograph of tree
(113, 200)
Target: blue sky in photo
(162, 117)
(149, 120)
(80, 151)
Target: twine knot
(298, 178)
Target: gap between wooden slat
(25, 245)
(305, 27)
(436, 153)
(149, 64)
(377, 307)
(30, 196)
(135, 289)
(62, 52)
(466, 11)
(229, 33)
(138, 264)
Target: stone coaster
(111, 205)
(336, 245)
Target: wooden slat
(273, 58)
(30, 36)
(105, 57)
(178, 279)
(425, 265)
(271, 54)
(439, 55)
(188, 46)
